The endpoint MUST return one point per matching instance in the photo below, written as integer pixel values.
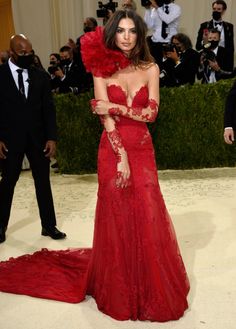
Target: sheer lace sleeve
(114, 137)
(112, 132)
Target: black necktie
(164, 26)
(66, 69)
(167, 9)
(218, 23)
(21, 82)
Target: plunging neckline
(125, 94)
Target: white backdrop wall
(49, 23)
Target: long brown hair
(140, 54)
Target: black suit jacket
(221, 59)
(88, 78)
(183, 73)
(74, 80)
(229, 39)
(230, 108)
(32, 120)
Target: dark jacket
(32, 120)
(224, 73)
(230, 108)
(88, 78)
(229, 39)
(74, 81)
(183, 73)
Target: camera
(145, 3)
(103, 8)
(169, 47)
(207, 54)
(160, 3)
(53, 68)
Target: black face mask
(216, 15)
(25, 61)
(66, 61)
(53, 62)
(167, 2)
(87, 29)
(214, 44)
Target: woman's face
(126, 35)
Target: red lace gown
(134, 269)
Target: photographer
(226, 29)
(213, 60)
(71, 78)
(54, 59)
(106, 10)
(163, 18)
(90, 24)
(128, 4)
(180, 62)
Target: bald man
(27, 126)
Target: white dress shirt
(68, 69)
(154, 18)
(220, 28)
(14, 68)
(212, 77)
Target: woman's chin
(126, 52)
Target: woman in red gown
(134, 269)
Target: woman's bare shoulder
(153, 69)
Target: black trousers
(156, 50)
(11, 169)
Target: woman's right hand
(123, 171)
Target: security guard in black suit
(27, 126)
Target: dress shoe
(2, 234)
(53, 232)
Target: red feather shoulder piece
(97, 58)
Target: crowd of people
(180, 64)
(173, 51)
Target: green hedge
(78, 134)
(187, 134)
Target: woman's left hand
(100, 107)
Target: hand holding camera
(214, 65)
(207, 55)
(105, 10)
(56, 71)
(150, 4)
(174, 56)
(52, 69)
(154, 3)
(59, 73)
(170, 51)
